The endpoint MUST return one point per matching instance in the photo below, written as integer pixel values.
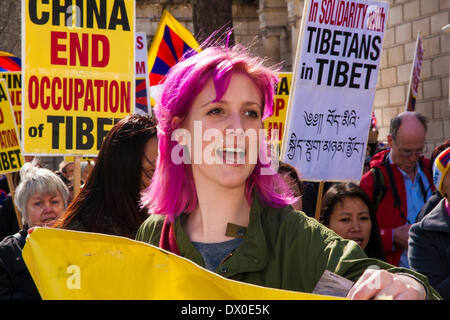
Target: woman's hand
(381, 284)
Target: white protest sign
(142, 105)
(333, 88)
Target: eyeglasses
(408, 152)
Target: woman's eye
(345, 220)
(215, 111)
(252, 114)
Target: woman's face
(149, 162)
(44, 209)
(350, 219)
(225, 134)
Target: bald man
(407, 183)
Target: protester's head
(41, 196)
(440, 173)
(347, 210)
(220, 91)
(123, 168)
(436, 151)
(290, 175)
(67, 169)
(86, 168)
(128, 154)
(407, 139)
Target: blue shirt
(414, 200)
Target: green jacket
(283, 248)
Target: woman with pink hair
(217, 200)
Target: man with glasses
(402, 177)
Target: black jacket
(8, 219)
(432, 202)
(15, 280)
(429, 248)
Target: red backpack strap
(168, 241)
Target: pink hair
(172, 190)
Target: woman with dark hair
(109, 202)
(348, 211)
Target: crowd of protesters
(233, 220)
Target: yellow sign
(10, 154)
(78, 73)
(14, 83)
(79, 265)
(278, 119)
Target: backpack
(379, 188)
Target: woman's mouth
(359, 241)
(231, 155)
(48, 221)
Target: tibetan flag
(9, 63)
(170, 43)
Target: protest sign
(142, 105)
(14, 84)
(10, 67)
(333, 88)
(10, 153)
(78, 73)
(415, 76)
(278, 120)
(79, 265)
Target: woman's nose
(235, 122)
(355, 227)
(47, 207)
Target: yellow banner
(78, 73)
(10, 153)
(14, 83)
(78, 265)
(278, 120)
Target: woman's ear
(179, 134)
(176, 122)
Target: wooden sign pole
(77, 176)
(319, 200)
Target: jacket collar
(437, 219)
(252, 255)
(249, 257)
